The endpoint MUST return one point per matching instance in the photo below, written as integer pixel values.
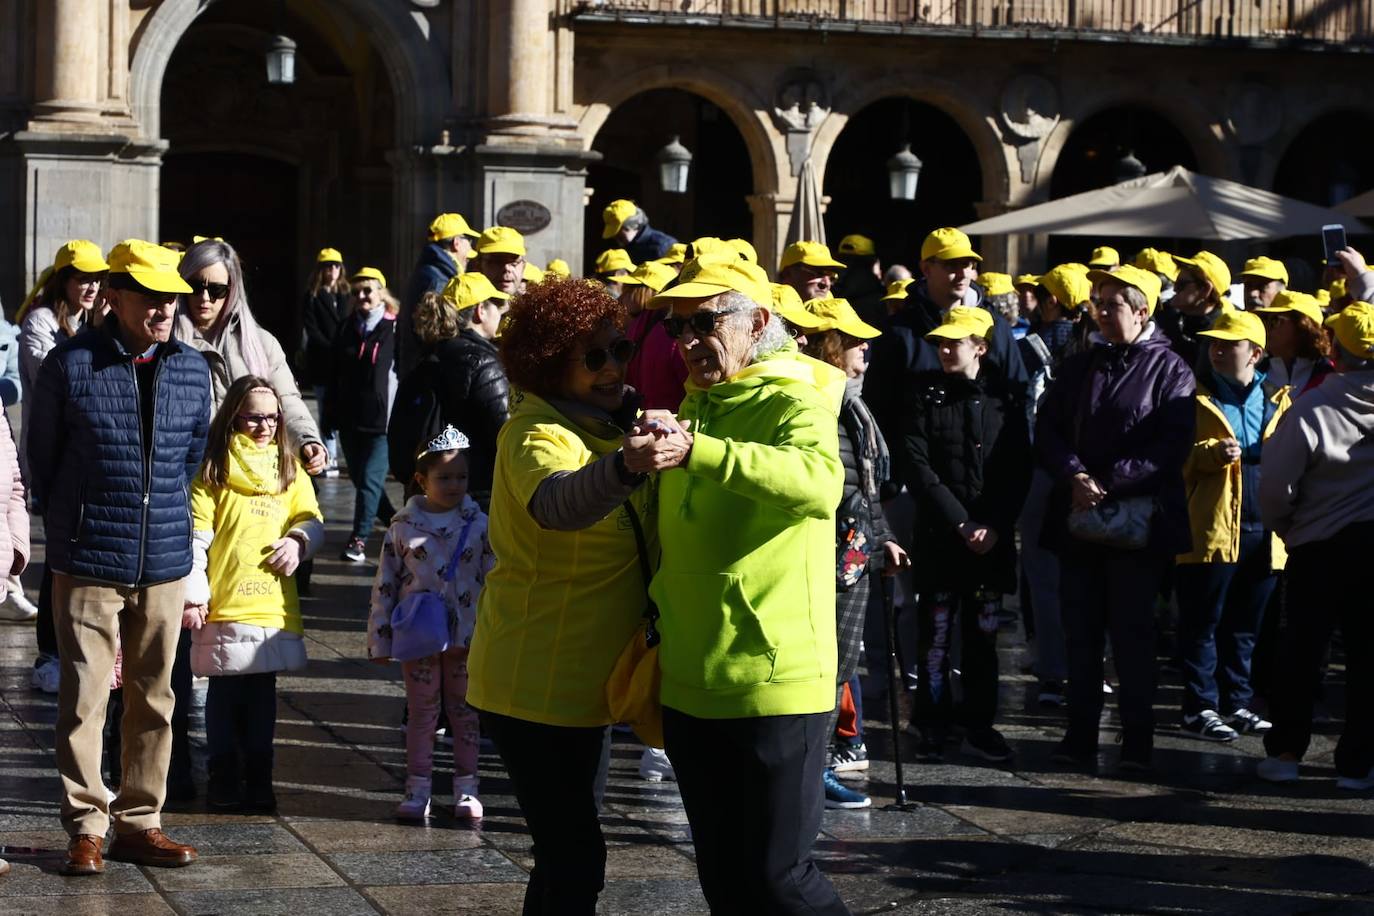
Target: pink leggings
(424, 678)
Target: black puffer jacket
(475, 397)
(967, 459)
(359, 399)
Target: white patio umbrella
(1360, 205)
(1173, 204)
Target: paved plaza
(1201, 835)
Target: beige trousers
(89, 617)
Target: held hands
(1086, 492)
(193, 616)
(286, 556)
(895, 559)
(977, 537)
(657, 442)
(1228, 450)
(315, 458)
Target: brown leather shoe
(150, 847)
(83, 855)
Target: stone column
(67, 62)
(520, 65)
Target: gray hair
(200, 256)
(741, 308)
(637, 221)
(1135, 298)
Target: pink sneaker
(467, 808)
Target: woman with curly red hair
(571, 503)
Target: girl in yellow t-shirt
(255, 519)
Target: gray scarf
(870, 451)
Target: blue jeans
(367, 466)
(1221, 607)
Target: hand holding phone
(1333, 240)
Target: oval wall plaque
(524, 216)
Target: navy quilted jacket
(110, 515)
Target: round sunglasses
(622, 351)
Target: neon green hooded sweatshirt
(746, 589)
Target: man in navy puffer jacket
(120, 421)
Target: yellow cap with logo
(897, 289)
(614, 216)
(329, 256)
(1265, 269)
(1290, 301)
(995, 284)
(532, 273)
(469, 289)
(151, 266)
(84, 255)
(1237, 325)
(948, 244)
(745, 249)
(839, 315)
(788, 304)
(1104, 256)
(1025, 280)
(677, 254)
(651, 274)
(1212, 268)
(1069, 285)
(1161, 262)
(858, 246)
(558, 268)
(812, 254)
(712, 275)
(501, 240)
(964, 321)
(369, 273)
(1147, 281)
(448, 225)
(1354, 329)
(613, 259)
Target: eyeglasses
(702, 323)
(216, 291)
(260, 419)
(793, 331)
(621, 351)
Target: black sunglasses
(702, 323)
(621, 351)
(216, 291)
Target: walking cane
(894, 684)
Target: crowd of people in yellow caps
(680, 465)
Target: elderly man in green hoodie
(746, 591)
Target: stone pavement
(1200, 835)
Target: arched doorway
(1109, 147)
(720, 182)
(278, 171)
(856, 178)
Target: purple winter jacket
(1125, 415)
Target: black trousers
(753, 845)
(554, 770)
(241, 723)
(47, 634)
(182, 688)
(977, 614)
(1327, 588)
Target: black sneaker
(1052, 695)
(930, 748)
(1074, 753)
(355, 552)
(222, 789)
(1135, 754)
(987, 743)
(258, 798)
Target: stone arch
(1279, 147)
(417, 74)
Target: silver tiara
(449, 440)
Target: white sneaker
(1357, 783)
(654, 766)
(1272, 769)
(467, 808)
(1248, 723)
(46, 674)
(16, 605)
(1208, 726)
(415, 806)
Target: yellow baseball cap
(1105, 256)
(651, 274)
(1337, 289)
(614, 216)
(1265, 269)
(1069, 284)
(948, 244)
(812, 254)
(897, 289)
(84, 255)
(1212, 268)
(1026, 280)
(745, 249)
(369, 273)
(964, 321)
(329, 256)
(788, 304)
(839, 315)
(558, 268)
(151, 266)
(1147, 281)
(501, 240)
(1161, 262)
(197, 239)
(708, 244)
(712, 275)
(469, 289)
(995, 284)
(1237, 325)
(1290, 301)
(1323, 297)
(613, 259)
(677, 254)
(532, 273)
(860, 246)
(1354, 329)
(448, 225)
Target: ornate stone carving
(1255, 114)
(1029, 106)
(802, 102)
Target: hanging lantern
(281, 61)
(903, 174)
(674, 164)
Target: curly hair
(435, 319)
(543, 324)
(826, 346)
(1313, 342)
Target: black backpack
(416, 416)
